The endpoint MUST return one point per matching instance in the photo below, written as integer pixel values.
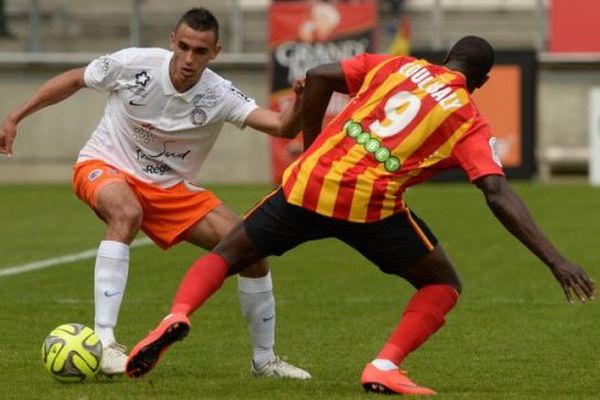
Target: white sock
(384, 365)
(110, 278)
(258, 307)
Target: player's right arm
(344, 77)
(53, 91)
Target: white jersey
(150, 130)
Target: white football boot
(114, 359)
(277, 368)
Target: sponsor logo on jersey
(144, 133)
(165, 152)
(157, 169)
(208, 99)
(372, 145)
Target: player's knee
(127, 217)
(256, 270)
(452, 281)
(449, 276)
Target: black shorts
(392, 244)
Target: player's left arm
(284, 124)
(512, 212)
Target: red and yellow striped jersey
(408, 120)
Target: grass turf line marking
(52, 262)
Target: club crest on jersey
(95, 174)
(199, 116)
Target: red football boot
(376, 380)
(148, 351)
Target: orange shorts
(168, 213)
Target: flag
(401, 43)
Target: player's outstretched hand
(8, 131)
(574, 281)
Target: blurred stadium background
(40, 38)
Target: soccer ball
(72, 353)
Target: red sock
(423, 316)
(205, 276)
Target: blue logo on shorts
(94, 174)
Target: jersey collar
(167, 85)
(459, 77)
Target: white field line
(69, 258)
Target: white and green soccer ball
(72, 353)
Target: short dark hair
(200, 19)
(475, 55)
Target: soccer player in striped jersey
(408, 120)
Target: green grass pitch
(512, 335)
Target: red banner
(575, 26)
(303, 35)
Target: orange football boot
(395, 381)
(148, 351)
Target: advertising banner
(505, 118)
(303, 35)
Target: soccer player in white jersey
(164, 112)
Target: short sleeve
(237, 104)
(477, 152)
(104, 72)
(356, 69)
